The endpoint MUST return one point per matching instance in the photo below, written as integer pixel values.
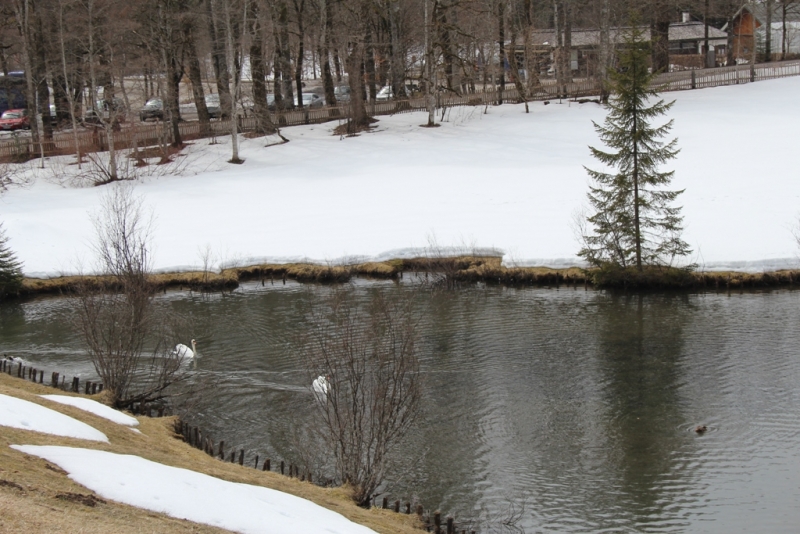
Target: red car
(15, 119)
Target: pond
(571, 409)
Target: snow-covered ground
(18, 413)
(502, 179)
(176, 492)
(94, 407)
(194, 496)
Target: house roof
(678, 31)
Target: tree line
(77, 52)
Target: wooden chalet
(686, 43)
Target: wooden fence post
(451, 529)
(221, 450)
(266, 465)
(437, 522)
(241, 457)
(385, 503)
(282, 466)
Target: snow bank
(194, 496)
(18, 413)
(94, 407)
(505, 180)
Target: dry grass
(467, 269)
(30, 487)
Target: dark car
(213, 106)
(15, 119)
(153, 109)
(342, 93)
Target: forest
(98, 57)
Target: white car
(310, 100)
(384, 94)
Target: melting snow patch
(94, 407)
(18, 413)
(194, 496)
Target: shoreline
(450, 271)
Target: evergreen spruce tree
(10, 268)
(634, 221)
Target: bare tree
(369, 353)
(128, 338)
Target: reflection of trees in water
(640, 348)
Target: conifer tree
(634, 222)
(10, 268)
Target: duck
(700, 429)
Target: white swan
(182, 351)
(320, 386)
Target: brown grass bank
(456, 270)
(36, 496)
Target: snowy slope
(503, 179)
(18, 413)
(194, 496)
(94, 407)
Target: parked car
(15, 119)
(385, 93)
(152, 109)
(213, 106)
(105, 111)
(342, 93)
(310, 100)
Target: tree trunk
(430, 82)
(299, 7)
(605, 49)
(324, 53)
(770, 6)
(501, 43)
(40, 74)
(558, 60)
(446, 46)
(515, 68)
(567, 56)
(218, 58)
(659, 35)
(359, 118)
(284, 55)
(369, 60)
(195, 75)
(397, 68)
(258, 70)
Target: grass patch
(461, 269)
(36, 496)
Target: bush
(611, 275)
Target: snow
(94, 407)
(18, 413)
(194, 496)
(505, 180)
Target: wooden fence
(22, 147)
(57, 380)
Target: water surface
(575, 407)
